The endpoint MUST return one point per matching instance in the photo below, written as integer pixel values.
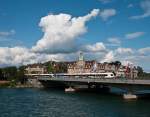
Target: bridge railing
(96, 80)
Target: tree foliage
(1, 74)
(10, 73)
(13, 74)
(140, 71)
(50, 68)
(116, 63)
(21, 76)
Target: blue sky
(118, 31)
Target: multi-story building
(82, 66)
(35, 69)
(129, 72)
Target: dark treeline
(141, 73)
(13, 74)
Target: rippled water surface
(57, 103)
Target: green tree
(140, 71)
(10, 73)
(1, 74)
(116, 63)
(21, 76)
(62, 67)
(50, 68)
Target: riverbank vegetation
(142, 74)
(13, 75)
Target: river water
(57, 103)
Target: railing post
(130, 94)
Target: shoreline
(9, 84)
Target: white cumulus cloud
(60, 32)
(59, 43)
(109, 57)
(124, 51)
(23, 56)
(97, 47)
(107, 13)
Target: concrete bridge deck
(130, 85)
(98, 80)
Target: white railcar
(90, 75)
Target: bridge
(132, 86)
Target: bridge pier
(70, 89)
(129, 96)
(130, 93)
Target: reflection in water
(57, 103)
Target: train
(90, 75)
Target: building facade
(82, 66)
(35, 69)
